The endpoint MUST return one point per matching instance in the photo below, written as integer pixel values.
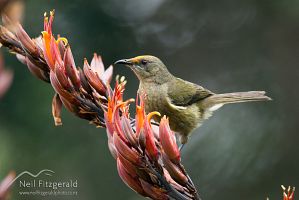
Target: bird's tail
(217, 100)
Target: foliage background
(245, 151)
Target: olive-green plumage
(186, 104)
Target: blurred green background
(244, 151)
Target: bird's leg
(183, 140)
(132, 121)
(181, 147)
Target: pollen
(63, 39)
(122, 79)
(44, 33)
(52, 13)
(151, 114)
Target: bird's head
(147, 68)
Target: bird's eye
(144, 62)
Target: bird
(186, 104)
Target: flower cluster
(148, 159)
(83, 93)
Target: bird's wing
(183, 93)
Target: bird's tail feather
(235, 97)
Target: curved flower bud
(168, 141)
(128, 153)
(35, 70)
(174, 171)
(67, 99)
(107, 76)
(128, 179)
(26, 41)
(61, 77)
(111, 146)
(93, 79)
(149, 137)
(128, 131)
(84, 82)
(62, 43)
(117, 121)
(97, 65)
(56, 109)
(142, 139)
(154, 192)
(70, 68)
(129, 167)
(169, 179)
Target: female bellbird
(186, 104)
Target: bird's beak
(124, 62)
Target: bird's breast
(182, 120)
(154, 98)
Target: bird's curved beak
(124, 62)
(131, 63)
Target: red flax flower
(147, 156)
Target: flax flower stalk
(147, 156)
